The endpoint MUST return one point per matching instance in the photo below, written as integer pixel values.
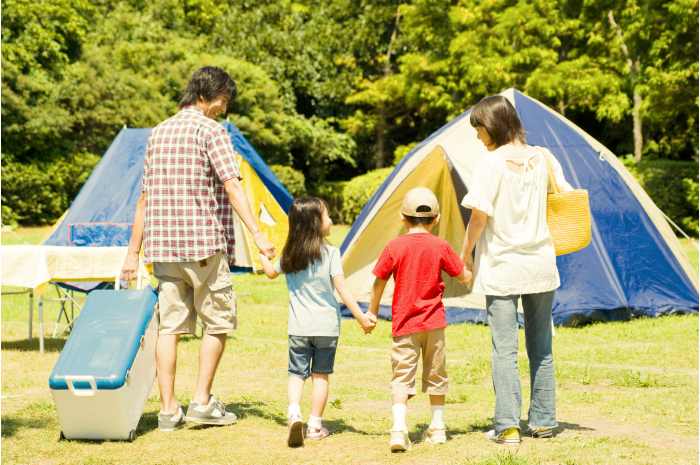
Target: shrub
(38, 193)
(346, 199)
(292, 179)
(673, 186)
(358, 191)
(403, 150)
(8, 217)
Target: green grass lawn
(627, 394)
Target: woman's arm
(268, 268)
(366, 322)
(475, 229)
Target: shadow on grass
(261, 410)
(10, 425)
(257, 409)
(148, 423)
(487, 424)
(51, 344)
(419, 433)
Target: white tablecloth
(32, 266)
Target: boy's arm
(268, 267)
(465, 277)
(377, 291)
(366, 322)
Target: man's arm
(476, 226)
(131, 262)
(239, 201)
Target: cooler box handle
(80, 392)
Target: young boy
(415, 260)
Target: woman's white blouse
(515, 254)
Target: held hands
(468, 269)
(264, 245)
(468, 263)
(367, 322)
(468, 276)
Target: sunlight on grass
(627, 394)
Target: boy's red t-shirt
(415, 261)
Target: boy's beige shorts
(190, 289)
(405, 352)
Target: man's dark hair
(500, 120)
(208, 83)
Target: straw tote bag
(568, 216)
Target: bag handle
(553, 187)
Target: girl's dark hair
(305, 238)
(498, 117)
(208, 83)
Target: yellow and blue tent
(634, 265)
(102, 212)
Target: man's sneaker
(317, 434)
(542, 432)
(507, 436)
(399, 441)
(436, 435)
(171, 421)
(213, 413)
(295, 436)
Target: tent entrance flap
(272, 219)
(433, 172)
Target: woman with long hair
(514, 260)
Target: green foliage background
(334, 88)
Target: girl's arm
(268, 267)
(476, 226)
(365, 321)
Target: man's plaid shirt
(188, 215)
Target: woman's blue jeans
(503, 321)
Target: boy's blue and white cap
(420, 202)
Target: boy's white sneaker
(436, 435)
(399, 441)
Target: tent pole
(31, 313)
(41, 324)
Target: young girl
(313, 271)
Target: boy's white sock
(315, 422)
(293, 410)
(438, 421)
(398, 412)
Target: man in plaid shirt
(184, 217)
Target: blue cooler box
(105, 372)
